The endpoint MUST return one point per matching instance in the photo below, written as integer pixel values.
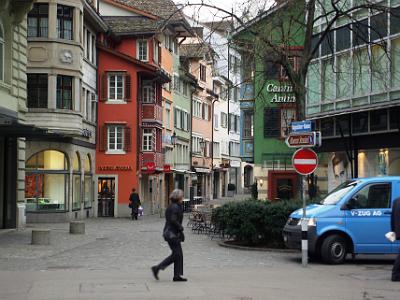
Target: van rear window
(334, 197)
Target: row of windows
(180, 86)
(361, 123)
(38, 21)
(201, 110)
(370, 29)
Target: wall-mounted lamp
(173, 139)
(260, 181)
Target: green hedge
(255, 222)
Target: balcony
(151, 113)
(246, 92)
(151, 162)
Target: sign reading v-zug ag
(281, 93)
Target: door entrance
(106, 197)
(282, 185)
(216, 185)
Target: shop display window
(46, 182)
(76, 181)
(88, 184)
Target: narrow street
(113, 259)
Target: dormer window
(142, 50)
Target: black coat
(173, 229)
(395, 218)
(135, 201)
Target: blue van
(353, 218)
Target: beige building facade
(62, 98)
(13, 47)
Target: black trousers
(396, 269)
(135, 212)
(176, 258)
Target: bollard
(40, 236)
(77, 227)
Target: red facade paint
(132, 114)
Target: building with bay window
(136, 104)
(13, 127)
(353, 94)
(62, 98)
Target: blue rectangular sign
(302, 126)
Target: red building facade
(129, 119)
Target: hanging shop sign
(281, 93)
(167, 169)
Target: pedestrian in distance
(173, 235)
(395, 226)
(134, 203)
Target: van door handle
(387, 213)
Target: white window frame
(147, 139)
(148, 86)
(197, 108)
(119, 129)
(224, 120)
(139, 50)
(115, 99)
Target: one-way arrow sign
(306, 139)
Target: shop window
(342, 125)
(342, 38)
(327, 127)
(379, 68)
(37, 89)
(378, 120)
(46, 182)
(88, 183)
(64, 22)
(360, 32)
(76, 182)
(379, 26)
(1, 51)
(360, 122)
(64, 92)
(142, 50)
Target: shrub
(255, 222)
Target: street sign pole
(305, 161)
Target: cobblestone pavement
(112, 261)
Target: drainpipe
(212, 143)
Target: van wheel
(334, 249)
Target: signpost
(305, 162)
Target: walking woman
(173, 234)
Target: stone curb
(237, 247)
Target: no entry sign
(305, 161)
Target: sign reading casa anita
(282, 93)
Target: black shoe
(155, 270)
(179, 279)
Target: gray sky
(205, 13)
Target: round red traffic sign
(305, 161)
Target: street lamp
(173, 139)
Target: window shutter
(203, 111)
(153, 140)
(209, 112)
(103, 140)
(175, 117)
(104, 87)
(127, 139)
(128, 97)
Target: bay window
(65, 22)
(64, 92)
(38, 20)
(37, 89)
(148, 140)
